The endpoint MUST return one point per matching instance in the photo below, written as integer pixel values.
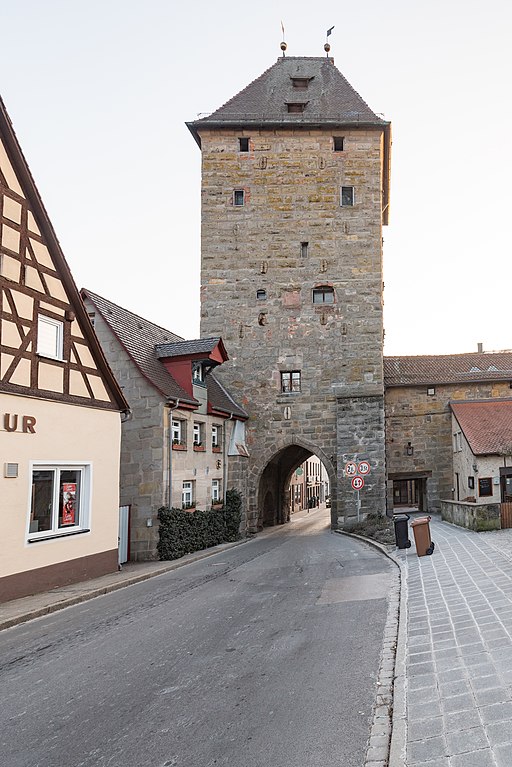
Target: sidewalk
(453, 707)
(21, 610)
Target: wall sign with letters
(20, 423)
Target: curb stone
(99, 591)
(387, 742)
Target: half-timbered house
(61, 408)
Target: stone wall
(474, 516)
(257, 283)
(425, 421)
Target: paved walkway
(457, 650)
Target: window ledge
(216, 449)
(179, 447)
(58, 535)
(199, 449)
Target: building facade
(295, 190)
(61, 408)
(185, 428)
(419, 434)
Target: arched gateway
(295, 189)
(273, 497)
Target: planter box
(178, 446)
(216, 449)
(199, 449)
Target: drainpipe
(225, 459)
(169, 462)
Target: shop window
(484, 486)
(50, 337)
(323, 295)
(290, 381)
(59, 502)
(347, 196)
(188, 495)
(216, 497)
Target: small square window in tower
(323, 295)
(290, 381)
(238, 198)
(347, 196)
(338, 143)
(243, 144)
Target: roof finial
(327, 47)
(283, 44)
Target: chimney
(480, 348)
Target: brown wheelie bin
(422, 539)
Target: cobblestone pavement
(458, 658)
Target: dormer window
(296, 107)
(301, 82)
(198, 373)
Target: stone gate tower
(295, 190)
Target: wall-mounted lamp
(409, 449)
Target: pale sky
(99, 92)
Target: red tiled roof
(447, 368)
(487, 425)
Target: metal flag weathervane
(327, 47)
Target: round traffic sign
(364, 468)
(350, 469)
(357, 483)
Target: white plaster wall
(62, 433)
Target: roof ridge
(133, 314)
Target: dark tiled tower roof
(329, 99)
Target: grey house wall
(142, 481)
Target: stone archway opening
(294, 479)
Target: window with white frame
(215, 435)
(187, 495)
(215, 490)
(238, 198)
(50, 337)
(198, 434)
(179, 434)
(198, 373)
(457, 442)
(59, 501)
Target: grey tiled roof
(180, 348)
(329, 97)
(447, 368)
(139, 338)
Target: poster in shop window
(68, 503)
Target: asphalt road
(265, 655)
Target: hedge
(182, 532)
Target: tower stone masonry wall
(257, 286)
